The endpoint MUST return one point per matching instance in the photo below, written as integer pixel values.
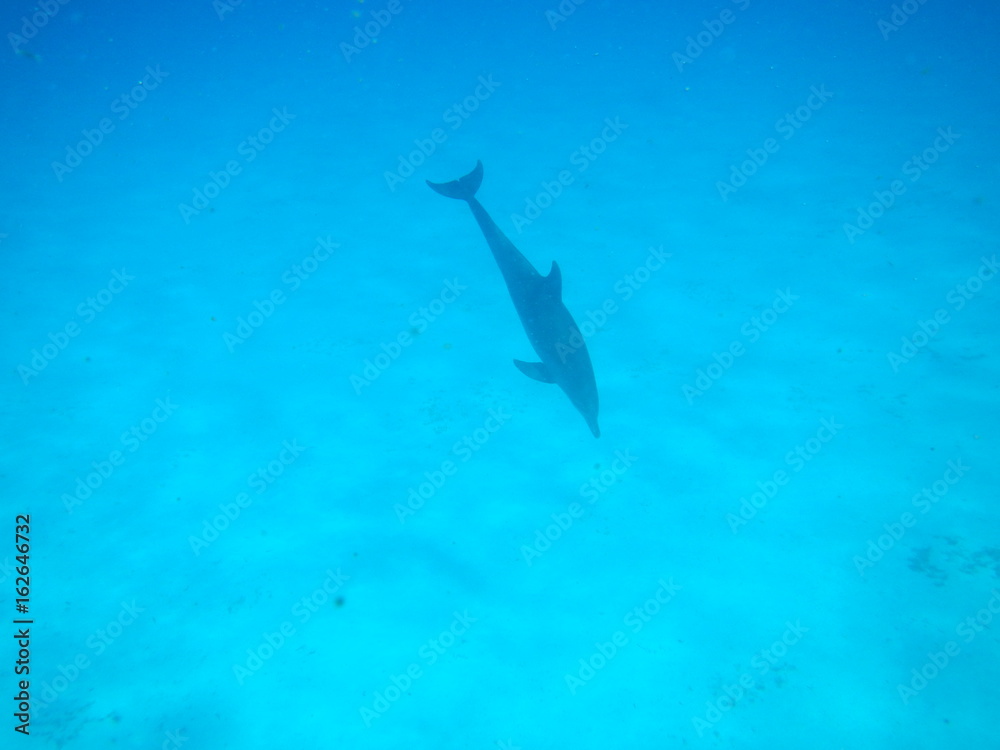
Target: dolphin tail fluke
(463, 188)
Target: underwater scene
(514, 376)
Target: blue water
(285, 487)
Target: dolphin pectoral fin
(534, 370)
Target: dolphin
(551, 330)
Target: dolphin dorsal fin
(534, 370)
(553, 282)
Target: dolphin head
(584, 398)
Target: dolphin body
(551, 330)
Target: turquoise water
(284, 485)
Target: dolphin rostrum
(551, 330)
